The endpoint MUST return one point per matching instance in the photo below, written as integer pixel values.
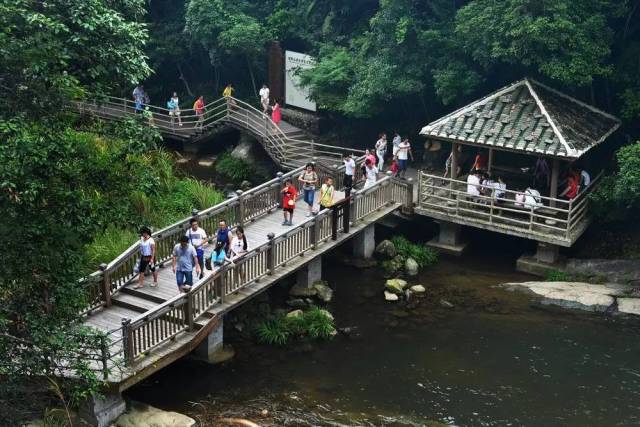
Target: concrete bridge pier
(212, 348)
(547, 258)
(450, 239)
(310, 273)
(364, 243)
(102, 411)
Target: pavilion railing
(556, 219)
(179, 314)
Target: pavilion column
(555, 173)
(454, 160)
(490, 163)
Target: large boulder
(390, 296)
(395, 286)
(301, 290)
(140, 415)
(386, 248)
(629, 306)
(411, 267)
(323, 291)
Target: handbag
(207, 263)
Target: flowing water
(493, 359)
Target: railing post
(219, 284)
(531, 218)
(491, 210)
(334, 223)
(409, 201)
(240, 208)
(127, 341)
(105, 286)
(280, 177)
(314, 232)
(346, 215)
(105, 358)
(569, 217)
(188, 309)
(271, 254)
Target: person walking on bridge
(289, 195)
(381, 150)
(276, 114)
(173, 105)
(198, 107)
(326, 194)
(264, 98)
(184, 258)
(404, 152)
(140, 98)
(309, 180)
(349, 170)
(224, 234)
(198, 239)
(228, 94)
(371, 173)
(147, 257)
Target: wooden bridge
(287, 145)
(148, 328)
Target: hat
(432, 145)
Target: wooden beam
(454, 160)
(555, 172)
(490, 164)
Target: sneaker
(290, 223)
(285, 222)
(308, 214)
(186, 288)
(138, 286)
(154, 284)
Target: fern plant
(274, 332)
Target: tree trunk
(253, 79)
(184, 80)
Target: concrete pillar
(102, 411)
(364, 243)
(212, 348)
(310, 273)
(449, 239)
(555, 173)
(547, 253)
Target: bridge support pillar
(449, 240)
(212, 348)
(364, 243)
(102, 411)
(310, 273)
(546, 259)
(547, 253)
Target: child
(394, 167)
(326, 194)
(289, 195)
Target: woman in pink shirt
(276, 115)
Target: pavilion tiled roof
(527, 117)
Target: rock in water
(387, 249)
(418, 289)
(323, 291)
(396, 286)
(296, 303)
(411, 267)
(295, 313)
(389, 296)
(300, 290)
(445, 303)
(327, 314)
(140, 415)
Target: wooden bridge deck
(150, 327)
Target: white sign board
(295, 94)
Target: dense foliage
(421, 254)
(618, 197)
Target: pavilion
(513, 128)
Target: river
(494, 359)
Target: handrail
(260, 261)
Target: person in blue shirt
(218, 257)
(223, 234)
(173, 105)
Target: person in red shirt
(480, 162)
(198, 107)
(289, 196)
(571, 191)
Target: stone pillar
(449, 239)
(310, 273)
(364, 243)
(547, 253)
(102, 411)
(212, 348)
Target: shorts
(402, 163)
(309, 195)
(290, 210)
(184, 278)
(145, 262)
(174, 113)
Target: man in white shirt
(198, 239)
(473, 184)
(264, 98)
(349, 169)
(372, 174)
(381, 150)
(404, 151)
(585, 180)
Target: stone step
(133, 302)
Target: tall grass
(109, 244)
(234, 169)
(203, 195)
(314, 323)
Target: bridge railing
(554, 220)
(179, 314)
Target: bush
(423, 255)
(109, 244)
(314, 324)
(618, 196)
(234, 169)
